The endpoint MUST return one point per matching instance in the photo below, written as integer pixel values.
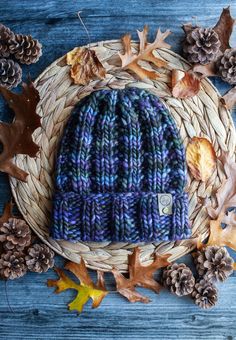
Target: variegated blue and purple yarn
(119, 150)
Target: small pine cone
(226, 66)
(5, 37)
(12, 265)
(10, 73)
(201, 45)
(25, 49)
(39, 258)
(178, 278)
(214, 263)
(205, 294)
(15, 234)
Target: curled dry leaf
(184, 84)
(226, 194)
(16, 138)
(85, 65)
(86, 289)
(130, 60)
(226, 198)
(139, 275)
(224, 28)
(229, 99)
(201, 158)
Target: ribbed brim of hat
(118, 217)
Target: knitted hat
(120, 172)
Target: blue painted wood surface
(36, 313)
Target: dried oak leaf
(184, 84)
(139, 275)
(86, 289)
(85, 65)
(224, 28)
(201, 158)
(16, 138)
(229, 99)
(130, 60)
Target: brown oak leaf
(201, 158)
(130, 60)
(229, 99)
(85, 290)
(16, 138)
(184, 84)
(139, 275)
(85, 65)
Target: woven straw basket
(202, 115)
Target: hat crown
(121, 141)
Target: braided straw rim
(202, 115)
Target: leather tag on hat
(165, 202)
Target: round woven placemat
(202, 115)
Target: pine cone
(10, 73)
(40, 258)
(226, 66)
(25, 49)
(214, 263)
(12, 265)
(5, 36)
(178, 278)
(205, 294)
(201, 45)
(15, 234)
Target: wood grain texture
(38, 313)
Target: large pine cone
(205, 294)
(25, 49)
(5, 36)
(39, 258)
(10, 73)
(201, 45)
(12, 265)
(15, 234)
(226, 66)
(214, 263)
(178, 278)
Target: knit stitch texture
(119, 150)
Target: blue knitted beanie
(120, 172)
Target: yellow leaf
(130, 60)
(86, 289)
(85, 65)
(201, 158)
